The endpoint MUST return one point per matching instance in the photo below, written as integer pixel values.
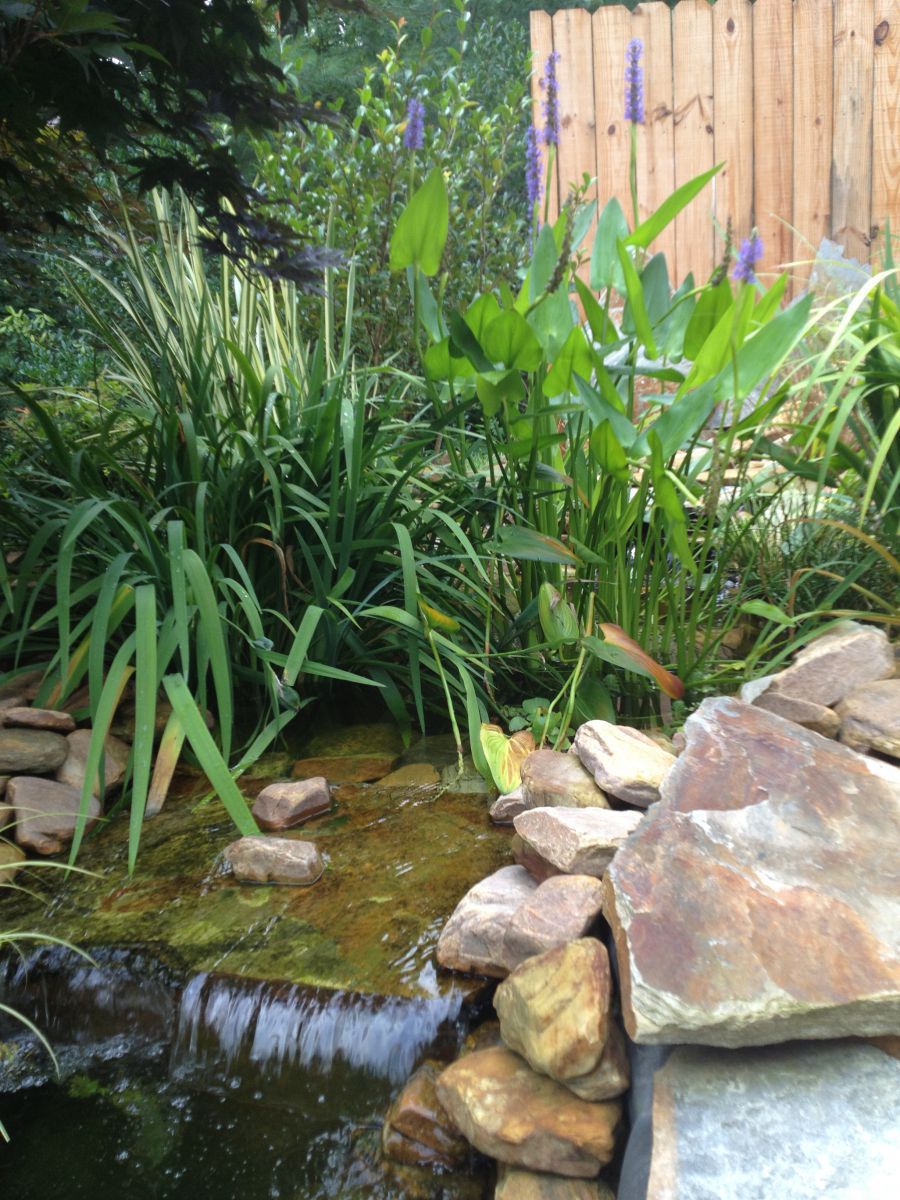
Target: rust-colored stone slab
(760, 899)
(418, 1130)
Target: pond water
(240, 1042)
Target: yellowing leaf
(505, 755)
(618, 648)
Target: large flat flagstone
(759, 901)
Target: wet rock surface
(550, 778)
(511, 1113)
(515, 1184)
(802, 1122)
(37, 718)
(31, 751)
(46, 813)
(507, 807)
(759, 901)
(624, 762)
(284, 805)
(274, 860)
(473, 938)
(576, 841)
(417, 1129)
(554, 1009)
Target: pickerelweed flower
(634, 82)
(414, 133)
(534, 167)
(550, 88)
(750, 253)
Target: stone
(274, 860)
(624, 762)
(38, 718)
(550, 778)
(73, 769)
(511, 1113)
(576, 841)
(793, 1122)
(561, 909)
(466, 781)
(835, 664)
(810, 715)
(483, 1037)
(4, 780)
(284, 805)
(410, 777)
(472, 940)
(525, 856)
(10, 859)
(46, 813)
(508, 806)
(6, 816)
(418, 1118)
(347, 768)
(31, 751)
(759, 900)
(515, 1184)
(612, 1075)
(554, 1009)
(870, 718)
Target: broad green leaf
(768, 612)
(505, 755)
(602, 327)
(435, 619)
(712, 305)
(606, 271)
(421, 231)
(509, 340)
(552, 321)
(465, 344)
(593, 701)
(543, 263)
(575, 358)
(618, 648)
(669, 209)
(518, 542)
(609, 452)
(635, 294)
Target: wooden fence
(799, 98)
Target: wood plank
(851, 172)
(886, 127)
(541, 49)
(656, 141)
(773, 105)
(733, 118)
(572, 38)
(612, 33)
(694, 144)
(813, 131)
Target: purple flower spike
(750, 253)
(634, 82)
(414, 133)
(550, 87)
(533, 167)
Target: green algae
(397, 863)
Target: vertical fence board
(773, 183)
(693, 90)
(886, 130)
(656, 141)
(733, 117)
(813, 131)
(851, 174)
(577, 143)
(612, 32)
(541, 49)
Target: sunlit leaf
(505, 755)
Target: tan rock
(410, 777)
(31, 751)
(484, 1037)
(418, 1117)
(46, 812)
(525, 856)
(759, 900)
(612, 1075)
(870, 718)
(10, 858)
(624, 762)
(285, 805)
(515, 1184)
(561, 909)
(576, 841)
(506, 807)
(511, 1113)
(554, 1009)
(812, 716)
(832, 666)
(472, 940)
(274, 860)
(6, 816)
(73, 769)
(346, 768)
(38, 718)
(550, 778)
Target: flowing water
(239, 1043)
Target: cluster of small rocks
(43, 760)
(748, 882)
